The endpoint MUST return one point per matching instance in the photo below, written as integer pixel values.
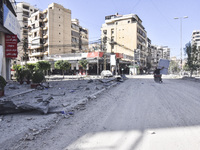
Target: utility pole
(98, 62)
(104, 42)
(181, 39)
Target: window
(35, 17)
(128, 21)
(35, 34)
(112, 39)
(105, 31)
(112, 31)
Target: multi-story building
(196, 38)
(9, 36)
(158, 52)
(79, 37)
(24, 11)
(124, 34)
(49, 32)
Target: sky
(157, 17)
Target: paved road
(138, 114)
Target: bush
(38, 77)
(2, 83)
(27, 74)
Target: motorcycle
(158, 78)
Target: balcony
(36, 54)
(46, 44)
(46, 53)
(45, 20)
(45, 37)
(45, 28)
(45, 11)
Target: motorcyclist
(157, 72)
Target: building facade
(157, 53)
(24, 11)
(53, 32)
(125, 34)
(79, 37)
(196, 38)
(49, 32)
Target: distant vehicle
(106, 73)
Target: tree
(31, 67)
(63, 65)
(83, 63)
(174, 67)
(192, 57)
(43, 65)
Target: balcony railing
(45, 37)
(36, 54)
(45, 28)
(45, 20)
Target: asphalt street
(137, 114)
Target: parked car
(106, 73)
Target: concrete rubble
(26, 112)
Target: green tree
(83, 63)
(19, 72)
(192, 57)
(43, 65)
(31, 67)
(63, 65)
(174, 67)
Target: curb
(18, 94)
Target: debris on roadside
(9, 107)
(90, 81)
(119, 79)
(60, 94)
(13, 87)
(87, 88)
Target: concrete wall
(59, 20)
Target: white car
(106, 73)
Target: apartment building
(49, 32)
(158, 52)
(196, 38)
(24, 11)
(125, 34)
(79, 37)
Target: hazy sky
(157, 17)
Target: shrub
(38, 77)
(2, 83)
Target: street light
(181, 36)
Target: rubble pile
(23, 109)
